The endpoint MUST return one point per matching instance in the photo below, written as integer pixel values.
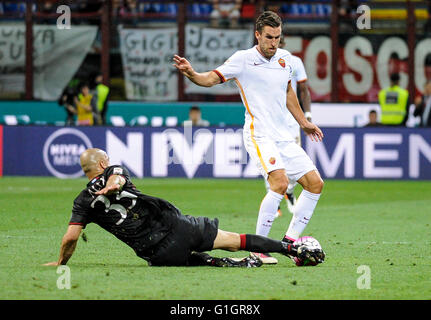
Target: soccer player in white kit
(299, 78)
(263, 74)
(298, 82)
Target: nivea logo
(62, 150)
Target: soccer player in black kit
(154, 228)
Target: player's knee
(317, 186)
(280, 186)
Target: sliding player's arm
(309, 128)
(204, 79)
(68, 245)
(114, 184)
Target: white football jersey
(299, 74)
(263, 87)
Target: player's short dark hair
(373, 111)
(267, 18)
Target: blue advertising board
(345, 153)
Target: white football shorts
(269, 155)
(295, 132)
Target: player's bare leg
(226, 240)
(229, 241)
(312, 184)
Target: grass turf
(381, 224)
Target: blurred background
(108, 64)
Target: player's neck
(93, 174)
(262, 54)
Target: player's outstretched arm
(68, 245)
(204, 79)
(309, 128)
(115, 184)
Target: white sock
(304, 209)
(267, 212)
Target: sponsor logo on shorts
(272, 160)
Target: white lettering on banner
(190, 157)
(389, 46)
(228, 154)
(371, 155)
(352, 59)
(147, 63)
(345, 148)
(417, 146)
(317, 45)
(130, 154)
(423, 49)
(159, 155)
(355, 62)
(225, 151)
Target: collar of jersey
(93, 180)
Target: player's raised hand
(313, 131)
(183, 65)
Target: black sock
(256, 243)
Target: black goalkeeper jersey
(139, 220)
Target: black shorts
(188, 234)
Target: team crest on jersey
(282, 62)
(272, 160)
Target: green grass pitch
(384, 225)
